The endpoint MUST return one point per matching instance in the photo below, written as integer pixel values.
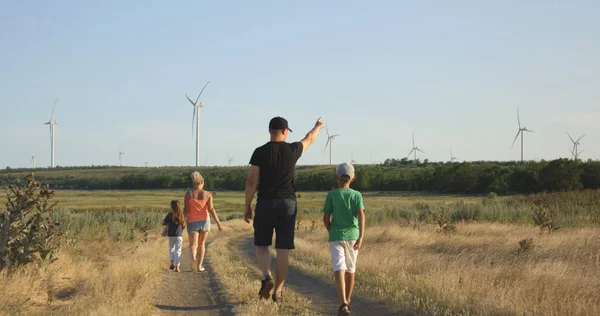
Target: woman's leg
(193, 249)
(201, 248)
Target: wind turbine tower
(575, 151)
(52, 125)
(521, 131)
(330, 139)
(230, 160)
(121, 154)
(196, 117)
(33, 160)
(414, 148)
(452, 158)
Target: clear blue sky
(452, 71)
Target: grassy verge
(106, 266)
(481, 269)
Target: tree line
(392, 175)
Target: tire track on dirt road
(322, 294)
(192, 293)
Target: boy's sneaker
(266, 286)
(171, 267)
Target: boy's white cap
(345, 171)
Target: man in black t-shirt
(274, 164)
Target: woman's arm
(213, 212)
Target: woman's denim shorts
(201, 226)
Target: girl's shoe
(201, 269)
(177, 269)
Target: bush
(27, 233)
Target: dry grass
(478, 270)
(241, 281)
(98, 277)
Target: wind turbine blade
(578, 139)
(518, 118)
(571, 138)
(202, 91)
(513, 143)
(327, 130)
(53, 107)
(528, 130)
(327, 143)
(413, 138)
(336, 135)
(420, 150)
(192, 102)
(410, 152)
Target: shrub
(27, 233)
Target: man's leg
(281, 270)
(264, 259)
(263, 237)
(284, 241)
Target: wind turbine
(521, 131)
(52, 124)
(196, 116)
(575, 151)
(414, 148)
(121, 154)
(147, 163)
(230, 160)
(330, 139)
(352, 161)
(33, 160)
(452, 158)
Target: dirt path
(322, 294)
(189, 293)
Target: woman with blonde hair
(198, 205)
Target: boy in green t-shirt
(346, 232)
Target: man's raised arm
(312, 135)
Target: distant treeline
(392, 175)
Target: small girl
(175, 223)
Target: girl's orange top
(197, 206)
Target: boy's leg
(340, 285)
(338, 261)
(350, 257)
(349, 286)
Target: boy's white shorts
(343, 255)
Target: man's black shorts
(275, 214)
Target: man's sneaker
(266, 286)
(276, 297)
